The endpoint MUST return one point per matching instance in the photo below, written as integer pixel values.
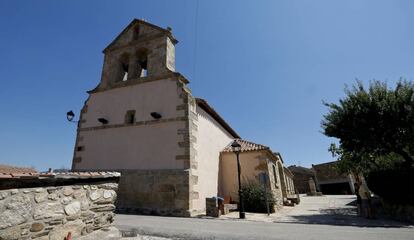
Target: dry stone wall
(51, 212)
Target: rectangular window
(130, 117)
(263, 178)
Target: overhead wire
(195, 42)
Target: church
(171, 148)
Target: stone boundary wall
(155, 192)
(50, 212)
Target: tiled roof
(62, 175)
(246, 146)
(301, 170)
(14, 169)
(203, 104)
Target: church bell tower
(140, 121)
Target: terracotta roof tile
(47, 174)
(13, 169)
(25, 175)
(246, 146)
(5, 175)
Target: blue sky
(265, 66)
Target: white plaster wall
(252, 164)
(211, 140)
(135, 147)
(147, 146)
(160, 96)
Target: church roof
(246, 146)
(206, 107)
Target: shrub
(254, 198)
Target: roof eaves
(288, 171)
(206, 107)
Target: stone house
(301, 179)
(255, 159)
(142, 120)
(290, 186)
(331, 181)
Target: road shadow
(345, 217)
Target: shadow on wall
(345, 217)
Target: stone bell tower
(141, 50)
(139, 121)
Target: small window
(130, 117)
(80, 148)
(274, 174)
(263, 178)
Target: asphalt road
(329, 217)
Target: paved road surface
(318, 218)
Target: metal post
(242, 214)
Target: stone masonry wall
(301, 178)
(275, 184)
(52, 212)
(156, 192)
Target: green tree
(374, 125)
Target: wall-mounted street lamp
(103, 120)
(235, 146)
(70, 116)
(156, 115)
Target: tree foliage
(374, 125)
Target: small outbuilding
(301, 179)
(331, 181)
(255, 160)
